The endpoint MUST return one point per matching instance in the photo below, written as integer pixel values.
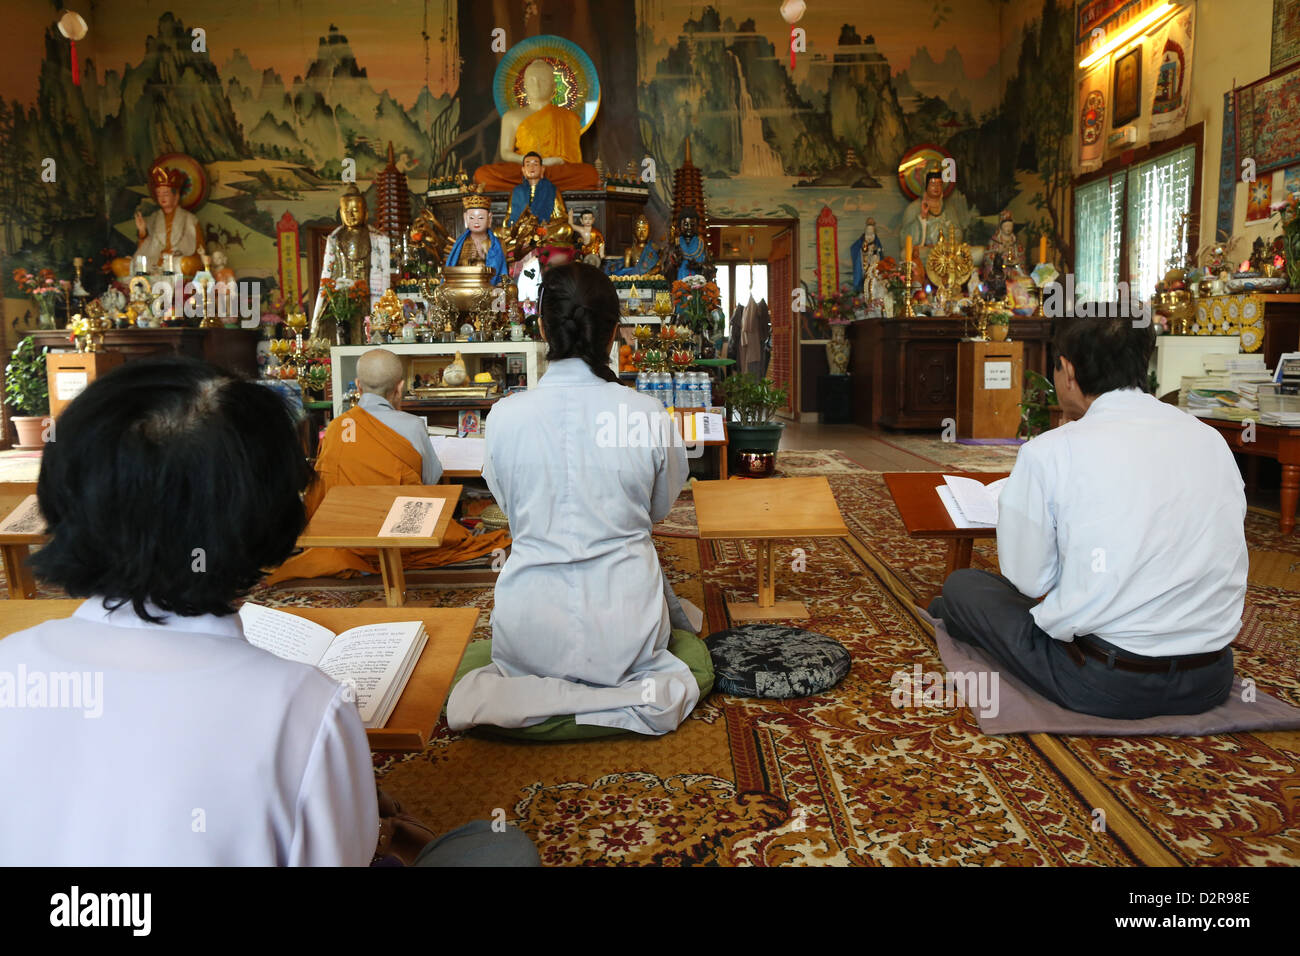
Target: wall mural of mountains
(272, 124)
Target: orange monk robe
(551, 131)
(374, 455)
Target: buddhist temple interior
(978, 321)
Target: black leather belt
(1083, 647)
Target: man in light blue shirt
(380, 379)
(1128, 522)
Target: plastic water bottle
(667, 393)
(692, 390)
(642, 382)
(681, 396)
(706, 390)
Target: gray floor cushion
(777, 661)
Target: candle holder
(908, 311)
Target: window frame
(1121, 165)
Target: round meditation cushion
(685, 646)
(772, 660)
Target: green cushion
(685, 646)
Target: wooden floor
(867, 446)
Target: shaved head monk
(376, 443)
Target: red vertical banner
(286, 241)
(828, 254)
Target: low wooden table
(351, 516)
(416, 714)
(15, 547)
(765, 509)
(1271, 441)
(924, 515)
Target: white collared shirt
(1131, 521)
(411, 427)
(183, 745)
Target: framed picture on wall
(1286, 35)
(1126, 97)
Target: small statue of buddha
(688, 253)
(542, 127)
(1005, 244)
(477, 245)
(590, 240)
(352, 251)
(641, 258)
(930, 214)
(536, 193)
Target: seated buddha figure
(477, 245)
(642, 257)
(542, 127)
(171, 239)
(688, 253)
(536, 194)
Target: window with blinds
(1099, 224)
(1159, 192)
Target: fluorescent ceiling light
(1138, 27)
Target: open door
(780, 282)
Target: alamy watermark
(225, 300)
(1061, 300)
(634, 428)
(53, 690)
(975, 689)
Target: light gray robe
(581, 621)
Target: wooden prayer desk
(351, 516)
(14, 547)
(924, 515)
(1271, 441)
(765, 509)
(416, 714)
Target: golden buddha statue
(539, 126)
(352, 251)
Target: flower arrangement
(838, 309)
(695, 300)
(45, 291)
(346, 305)
(891, 274)
(1288, 214)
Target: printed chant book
(375, 660)
(971, 503)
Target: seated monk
(539, 127)
(376, 444)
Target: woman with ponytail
(583, 617)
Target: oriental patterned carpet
(847, 777)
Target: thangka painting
(1259, 196)
(1266, 128)
(1286, 34)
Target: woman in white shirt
(583, 467)
(173, 741)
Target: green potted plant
(752, 403)
(999, 326)
(1039, 410)
(27, 392)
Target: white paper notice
(68, 385)
(25, 519)
(459, 454)
(412, 517)
(708, 427)
(997, 375)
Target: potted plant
(1039, 410)
(752, 402)
(27, 392)
(999, 326)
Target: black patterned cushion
(772, 660)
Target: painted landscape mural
(271, 119)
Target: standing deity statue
(352, 251)
(1005, 244)
(867, 251)
(931, 214)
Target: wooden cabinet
(905, 369)
(234, 350)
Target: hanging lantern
(792, 12)
(74, 28)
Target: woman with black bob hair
(583, 467)
(168, 489)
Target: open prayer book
(971, 503)
(375, 660)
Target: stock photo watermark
(53, 690)
(947, 689)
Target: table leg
(767, 608)
(959, 554)
(763, 564)
(1290, 494)
(390, 566)
(722, 462)
(18, 576)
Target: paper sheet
(460, 454)
(25, 519)
(411, 518)
(970, 502)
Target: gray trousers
(477, 844)
(987, 611)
